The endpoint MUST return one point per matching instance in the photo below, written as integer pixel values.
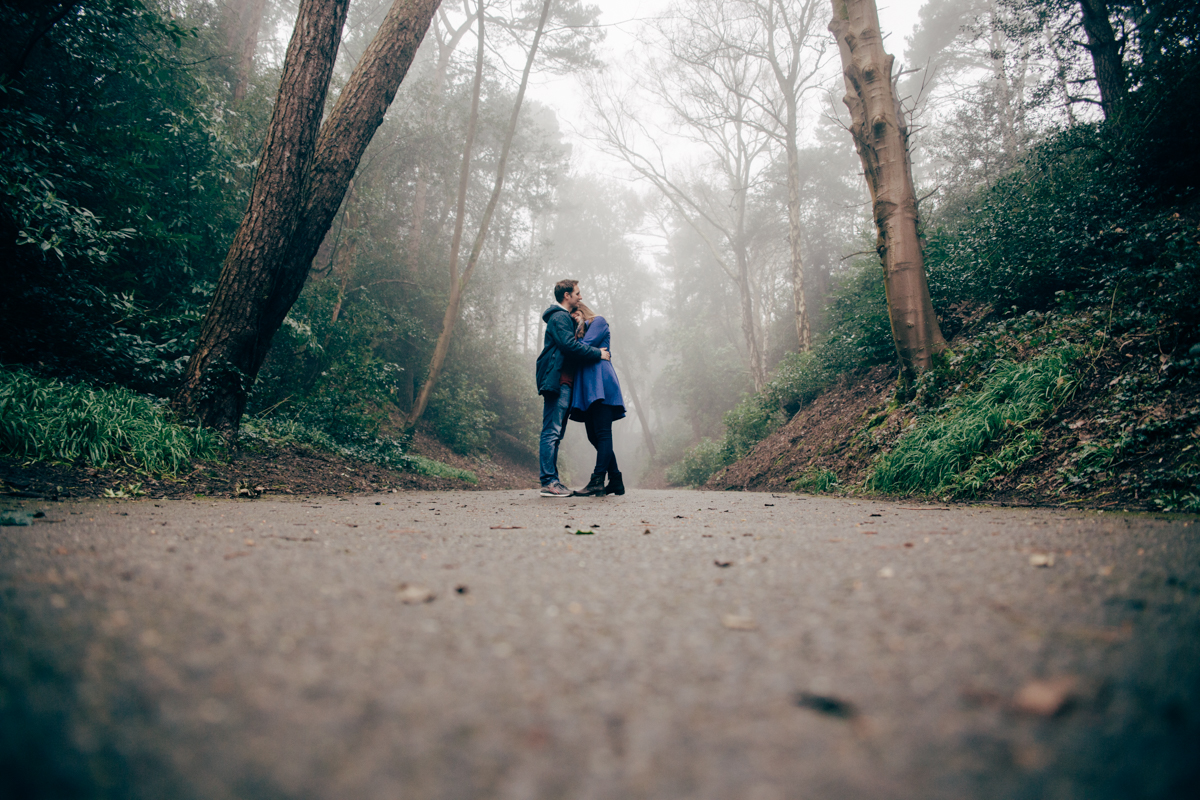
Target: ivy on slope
(958, 448)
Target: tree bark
(458, 284)
(1106, 56)
(232, 336)
(301, 180)
(881, 138)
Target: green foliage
(698, 464)
(815, 480)
(860, 330)
(48, 420)
(1071, 225)
(748, 423)
(460, 415)
(981, 434)
(385, 451)
(324, 374)
(798, 380)
(123, 174)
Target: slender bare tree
(706, 84)
(792, 44)
(458, 282)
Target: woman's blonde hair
(588, 314)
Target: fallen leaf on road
(413, 595)
(887, 572)
(1046, 697)
(824, 704)
(461, 588)
(869, 533)
(924, 508)
(646, 532)
(506, 528)
(722, 564)
(1042, 559)
(738, 623)
(582, 532)
(238, 554)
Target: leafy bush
(815, 480)
(860, 331)
(798, 380)
(748, 423)
(978, 435)
(386, 452)
(698, 464)
(1073, 225)
(460, 415)
(48, 420)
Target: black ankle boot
(595, 487)
(615, 484)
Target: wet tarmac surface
(656, 645)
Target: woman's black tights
(599, 432)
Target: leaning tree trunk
(227, 355)
(1106, 56)
(881, 137)
(300, 183)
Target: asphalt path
(669, 644)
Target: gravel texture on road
(669, 644)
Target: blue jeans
(554, 426)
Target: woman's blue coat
(596, 382)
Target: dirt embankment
(266, 471)
(1129, 437)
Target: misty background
(649, 164)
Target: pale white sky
(622, 18)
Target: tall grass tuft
(982, 434)
(47, 420)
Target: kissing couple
(576, 379)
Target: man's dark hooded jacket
(561, 347)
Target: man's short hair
(563, 288)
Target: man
(561, 354)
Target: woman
(596, 401)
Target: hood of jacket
(552, 310)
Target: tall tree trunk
(458, 284)
(420, 194)
(881, 138)
(226, 360)
(299, 185)
(242, 24)
(1106, 56)
(643, 417)
(795, 233)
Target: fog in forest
(649, 161)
